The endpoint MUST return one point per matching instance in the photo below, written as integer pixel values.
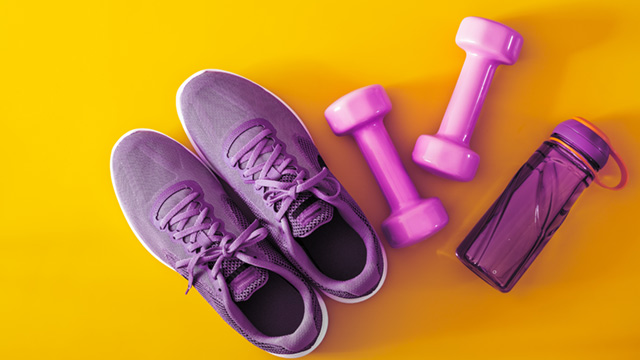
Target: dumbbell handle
(468, 96)
(383, 159)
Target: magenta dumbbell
(360, 114)
(488, 44)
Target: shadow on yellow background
(76, 283)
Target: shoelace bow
(214, 247)
(276, 190)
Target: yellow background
(76, 284)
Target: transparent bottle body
(519, 224)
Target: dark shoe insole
(276, 308)
(336, 249)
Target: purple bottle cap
(585, 141)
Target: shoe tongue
(307, 213)
(243, 279)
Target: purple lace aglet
(189, 285)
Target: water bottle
(519, 224)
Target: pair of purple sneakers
(261, 276)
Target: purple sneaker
(183, 217)
(259, 146)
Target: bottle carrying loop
(624, 174)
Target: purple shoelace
(189, 223)
(282, 187)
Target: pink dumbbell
(488, 44)
(360, 114)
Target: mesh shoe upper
(258, 145)
(182, 215)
